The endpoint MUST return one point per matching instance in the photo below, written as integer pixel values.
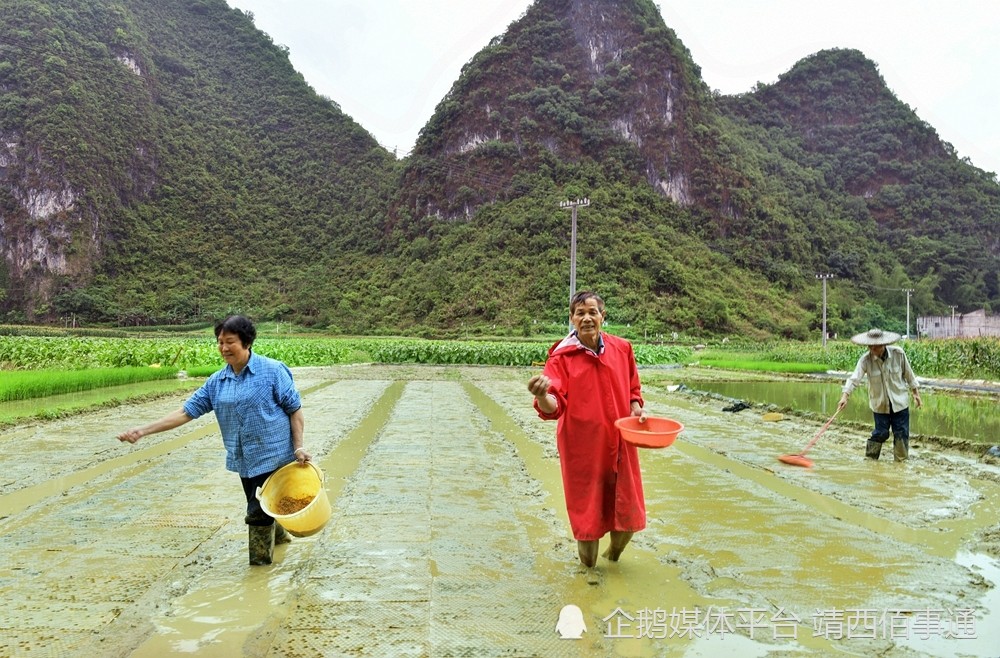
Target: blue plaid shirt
(252, 409)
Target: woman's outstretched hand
(130, 436)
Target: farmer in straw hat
(889, 379)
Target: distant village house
(963, 325)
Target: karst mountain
(162, 162)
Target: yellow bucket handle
(320, 474)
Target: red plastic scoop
(801, 459)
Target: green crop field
(45, 365)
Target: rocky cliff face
(74, 141)
(40, 223)
(662, 83)
(576, 79)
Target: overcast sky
(388, 63)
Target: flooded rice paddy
(952, 413)
(449, 536)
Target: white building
(962, 325)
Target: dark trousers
(899, 423)
(255, 514)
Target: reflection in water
(970, 417)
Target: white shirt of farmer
(889, 379)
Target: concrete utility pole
(954, 332)
(824, 278)
(573, 205)
(908, 291)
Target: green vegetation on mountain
(935, 217)
(210, 173)
(162, 162)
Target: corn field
(73, 353)
(977, 358)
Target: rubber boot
(873, 449)
(281, 536)
(261, 544)
(900, 449)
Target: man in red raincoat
(589, 381)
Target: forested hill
(161, 161)
(939, 216)
(164, 161)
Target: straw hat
(875, 337)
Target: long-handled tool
(801, 459)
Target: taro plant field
(29, 353)
(45, 365)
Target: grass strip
(28, 384)
(202, 371)
(767, 366)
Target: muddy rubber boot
(900, 449)
(281, 536)
(261, 544)
(873, 449)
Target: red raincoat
(600, 471)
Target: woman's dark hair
(583, 296)
(239, 325)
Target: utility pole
(908, 291)
(824, 278)
(573, 205)
(953, 331)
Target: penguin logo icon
(571, 625)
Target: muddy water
(944, 413)
(449, 537)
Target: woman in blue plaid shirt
(260, 415)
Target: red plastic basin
(654, 433)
